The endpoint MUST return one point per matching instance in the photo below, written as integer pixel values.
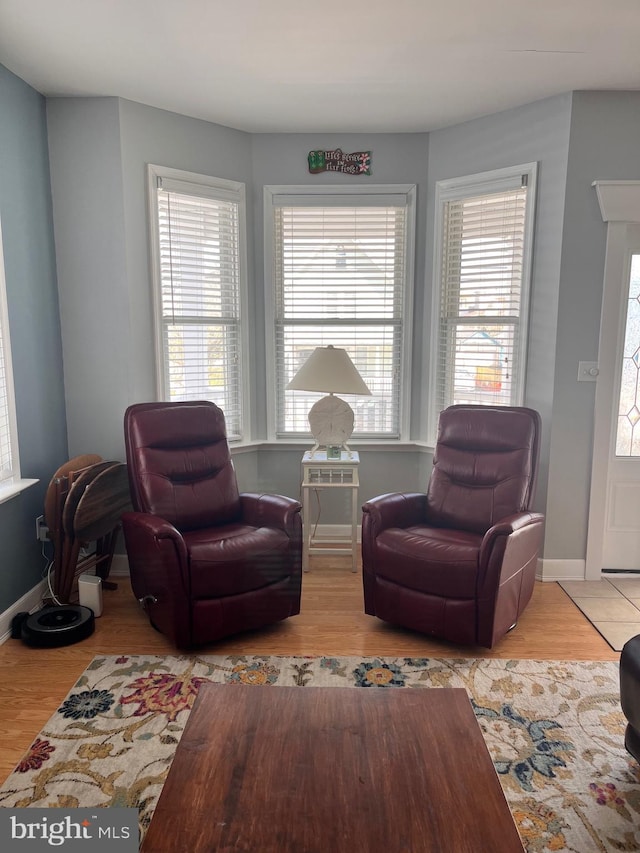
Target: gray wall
(86, 172)
(103, 261)
(575, 138)
(396, 159)
(534, 132)
(163, 138)
(604, 145)
(98, 150)
(27, 230)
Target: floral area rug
(554, 730)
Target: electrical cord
(47, 572)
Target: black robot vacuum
(54, 626)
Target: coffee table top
(332, 770)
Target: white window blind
(9, 462)
(341, 271)
(198, 294)
(485, 255)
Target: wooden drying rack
(84, 506)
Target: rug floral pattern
(554, 730)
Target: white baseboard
(560, 570)
(30, 602)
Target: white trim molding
(620, 207)
(30, 602)
(619, 200)
(332, 195)
(220, 190)
(560, 570)
(10, 488)
(464, 187)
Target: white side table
(318, 472)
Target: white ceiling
(322, 65)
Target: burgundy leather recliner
(459, 562)
(205, 561)
(630, 694)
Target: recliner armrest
(278, 511)
(396, 509)
(506, 548)
(506, 527)
(150, 538)
(158, 564)
(152, 525)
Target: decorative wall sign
(358, 163)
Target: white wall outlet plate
(587, 371)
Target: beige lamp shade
(329, 369)
(330, 419)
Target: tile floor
(612, 606)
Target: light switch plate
(587, 371)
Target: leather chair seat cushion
(431, 560)
(235, 558)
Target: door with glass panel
(621, 543)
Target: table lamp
(331, 370)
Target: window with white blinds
(341, 269)
(483, 246)
(9, 462)
(199, 277)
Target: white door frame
(620, 207)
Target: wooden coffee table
(332, 770)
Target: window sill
(392, 445)
(14, 487)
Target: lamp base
(331, 422)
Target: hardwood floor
(34, 681)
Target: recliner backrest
(484, 466)
(179, 463)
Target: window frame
(225, 190)
(13, 483)
(470, 186)
(314, 195)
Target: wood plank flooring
(34, 681)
